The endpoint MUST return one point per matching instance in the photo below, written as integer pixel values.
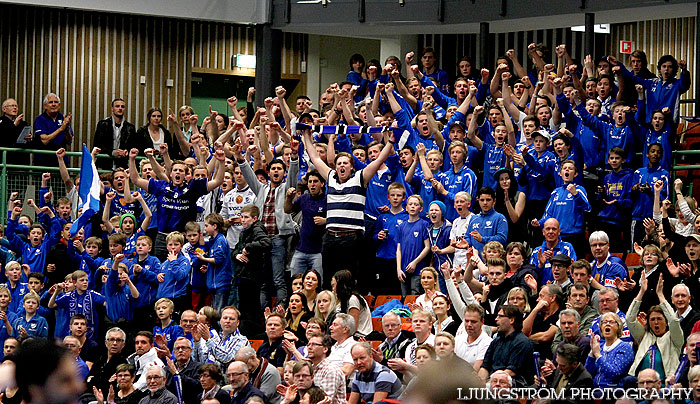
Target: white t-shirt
(340, 353)
(411, 349)
(472, 352)
(459, 229)
(365, 324)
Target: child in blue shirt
(120, 291)
(494, 153)
(386, 233)
(643, 181)
(80, 301)
(412, 247)
(31, 325)
(198, 279)
(567, 204)
(429, 163)
(166, 326)
(217, 259)
(145, 268)
(35, 250)
(117, 243)
(173, 273)
(616, 202)
(88, 256)
(17, 289)
(7, 317)
(127, 224)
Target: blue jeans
(220, 299)
(278, 259)
(302, 261)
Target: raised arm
(133, 172)
(513, 111)
(65, 176)
(372, 168)
(320, 165)
(109, 197)
(219, 171)
(280, 92)
(147, 214)
(471, 131)
(181, 141)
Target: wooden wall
(88, 58)
(657, 38)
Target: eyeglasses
(115, 340)
(154, 377)
(607, 300)
(608, 322)
(123, 376)
(311, 344)
(300, 376)
(230, 375)
(182, 348)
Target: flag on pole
(88, 191)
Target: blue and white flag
(88, 191)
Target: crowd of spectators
(500, 205)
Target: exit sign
(626, 47)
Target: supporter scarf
(87, 310)
(345, 129)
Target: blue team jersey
(176, 205)
(411, 237)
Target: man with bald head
(240, 388)
(552, 245)
(157, 393)
(263, 375)
(648, 379)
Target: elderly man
(511, 350)
(500, 380)
(397, 340)
(329, 377)
(606, 267)
(472, 345)
(690, 343)
(569, 372)
(373, 382)
(12, 124)
(157, 393)
(52, 131)
(649, 380)
(144, 358)
(264, 376)
(577, 301)
(342, 328)
(608, 300)
(551, 246)
(240, 388)
(680, 298)
(223, 347)
(103, 369)
(187, 368)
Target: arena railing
(26, 179)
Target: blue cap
(441, 205)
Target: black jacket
(189, 377)
(580, 378)
(104, 139)
(257, 244)
(142, 141)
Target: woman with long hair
(326, 308)
(311, 285)
(351, 302)
(298, 313)
(429, 283)
(510, 202)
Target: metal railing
(21, 178)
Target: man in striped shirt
(373, 382)
(346, 200)
(223, 347)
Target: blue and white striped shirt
(345, 204)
